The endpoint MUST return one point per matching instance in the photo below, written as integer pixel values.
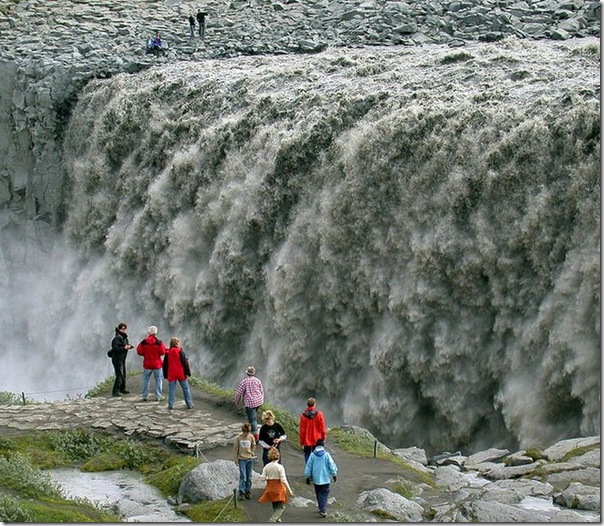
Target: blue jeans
(322, 492)
(252, 418)
(245, 475)
(158, 376)
(186, 392)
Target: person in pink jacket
(152, 349)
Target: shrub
(17, 473)
(12, 511)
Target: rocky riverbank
(558, 484)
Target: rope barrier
(60, 390)
(225, 506)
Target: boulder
(579, 496)
(490, 455)
(210, 481)
(481, 511)
(559, 449)
(390, 504)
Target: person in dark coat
(201, 20)
(119, 350)
(192, 24)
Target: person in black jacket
(120, 347)
(201, 20)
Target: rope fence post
(375, 449)
(23, 397)
(235, 497)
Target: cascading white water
(410, 235)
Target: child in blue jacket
(321, 468)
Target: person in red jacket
(312, 427)
(176, 369)
(152, 349)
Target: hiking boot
(116, 394)
(248, 495)
(241, 495)
(159, 398)
(125, 392)
(322, 514)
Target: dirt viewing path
(213, 424)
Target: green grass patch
(405, 488)
(217, 511)
(7, 398)
(364, 446)
(60, 510)
(169, 477)
(577, 452)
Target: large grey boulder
(481, 511)
(514, 491)
(580, 497)
(210, 481)
(391, 504)
(555, 452)
(490, 455)
(450, 478)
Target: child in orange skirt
(277, 487)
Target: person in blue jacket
(320, 469)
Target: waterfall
(409, 235)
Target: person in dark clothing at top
(192, 24)
(120, 347)
(201, 20)
(312, 427)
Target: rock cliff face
(51, 49)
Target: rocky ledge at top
(50, 49)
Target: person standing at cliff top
(192, 25)
(201, 20)
(312, 427)
(152, 349)
(120, 347)
(251, 391)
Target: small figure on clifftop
(312, 427)
(244, 451)
(319, 470)
(271, 435)
(251, 391)
(152, 349)
(157, 46)
(201, 20)
(192, 25)
(277, 486)
(176, 369)
(119, 350)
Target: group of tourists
(171, 362)
(319, 467)
(159, 362)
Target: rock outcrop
(51, 49)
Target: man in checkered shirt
(250, 390)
